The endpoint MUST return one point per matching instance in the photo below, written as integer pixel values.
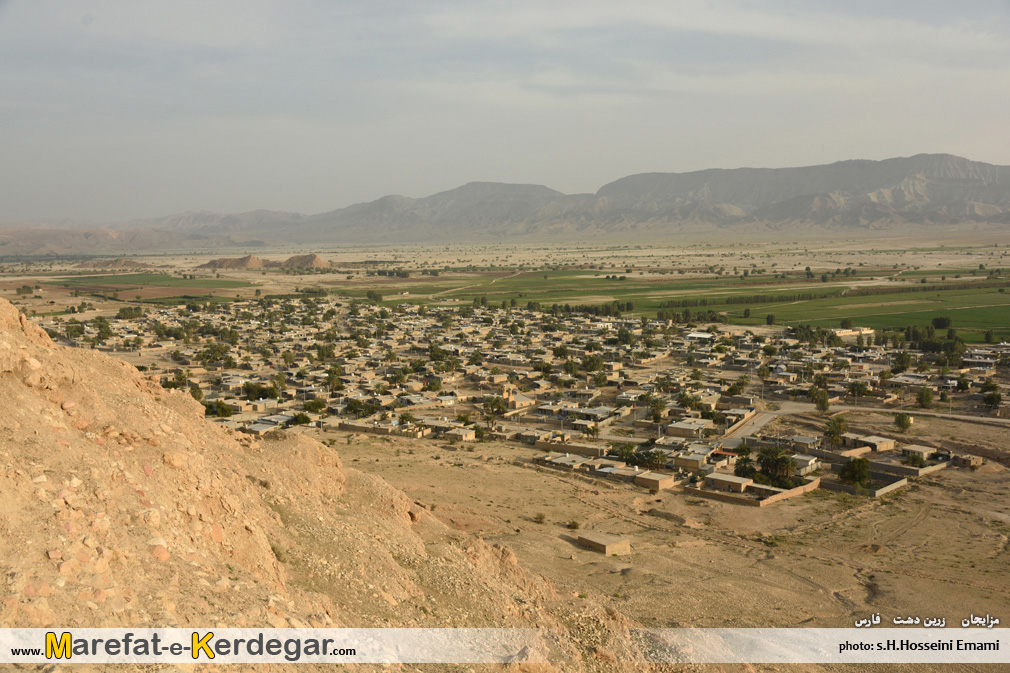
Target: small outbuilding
(605, 543)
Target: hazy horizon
(127, 110)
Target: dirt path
(467, 287)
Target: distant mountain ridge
(926, 190)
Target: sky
(119, 109)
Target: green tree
(856, 472)
(495, 405)
(821, 400)
(775, 462)
(924, 398)
(858, 389)
(592, 363)
(744, 467)
(571, 367)
(902, 361)
(834, 429)
(903, 422)
(315, 406)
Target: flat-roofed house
(690, 427)
(655, 480)
(806, 464)
(721, 481)
(924, 452)
(692, 462)
(878, 443)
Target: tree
(315, 406)
(775, 462)
(858, 389)
(744, 467)
(942, 322)
(903, 422)
(834, 429)
(963, 383)
(856, 472)
(571, 367)
(902, 361)
(924, 398)
(592, 363)
(301, 418)
(992, 400)
(104, 329)
(990, 386)
(593, 431)
(770, 319)
(218, 408)
(657, 407)
(821, 400)
(495, 405)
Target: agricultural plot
(137, 280)
(978, 310)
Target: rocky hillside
(123, 506)
(311, 261)
(247, 262)
(120, 263)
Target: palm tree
(775, 462)
(768, 459)
(834, 430)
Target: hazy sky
(114, 109)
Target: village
(658, 404)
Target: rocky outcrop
(122, 506)
(247, 262)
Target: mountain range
(901, 195)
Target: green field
(188, 298)
(900, 302)
(135, 280)
(973, 311)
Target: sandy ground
(936, 549)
